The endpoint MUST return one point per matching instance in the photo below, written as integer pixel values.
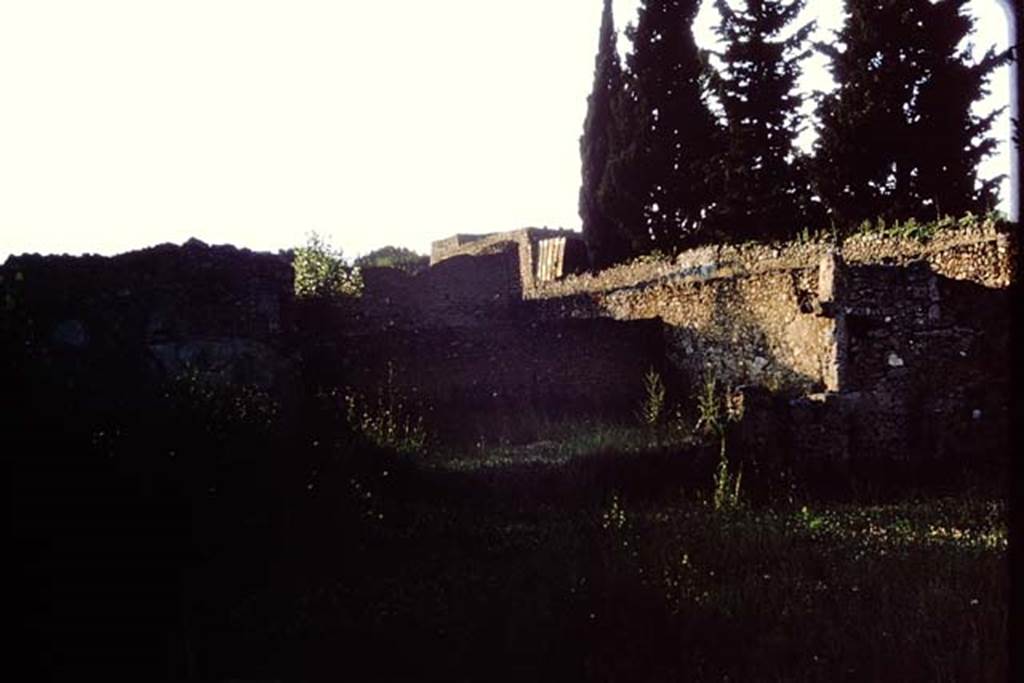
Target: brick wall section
(455, 335)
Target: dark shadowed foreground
(165, 554)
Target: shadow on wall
(767, 329)
(931, 365)
(925, 376)
(461, 290)
(739, 343)
(500, 378)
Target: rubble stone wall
(875, 344)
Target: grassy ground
(596, 553)
(545, 562)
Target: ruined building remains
(875, 346)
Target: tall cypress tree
(605, 243)
(666, 133)
(952, 140)
(763, 192)
(898, 139)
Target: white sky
(125, 124)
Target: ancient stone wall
(759, 328)
(479, 380)
(874, 345)
(102, 331)
(882, 345)
(762, 314)
(160, 309)
(525, 242)
(461, 290)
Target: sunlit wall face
(126, 124)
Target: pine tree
(763, 192)
(898, 139)
(666, 135)
(605, 244)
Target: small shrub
(322, 273)
(654, 398)
(715, 413)
(388, 422)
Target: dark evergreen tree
(605, 243)
(898, 139)
(665, 136)
(953, 141)
(762, 189)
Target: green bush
(322, 273)
(398, 258)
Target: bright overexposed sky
(128, 123)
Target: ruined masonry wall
(891, 343)
(792, 317)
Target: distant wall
(461, 290)
(96, 333)
(526, 244)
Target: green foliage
(808, 236)
(322, 273)
(923, 231)
(387, 420)
(210, 427)
(219, 409)
(656, 187)
(605, 243)
(653, 405)
(715, 412)
(762, 188)
(917, 588)
(398, 258)
(726, 485)
(898, 137)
